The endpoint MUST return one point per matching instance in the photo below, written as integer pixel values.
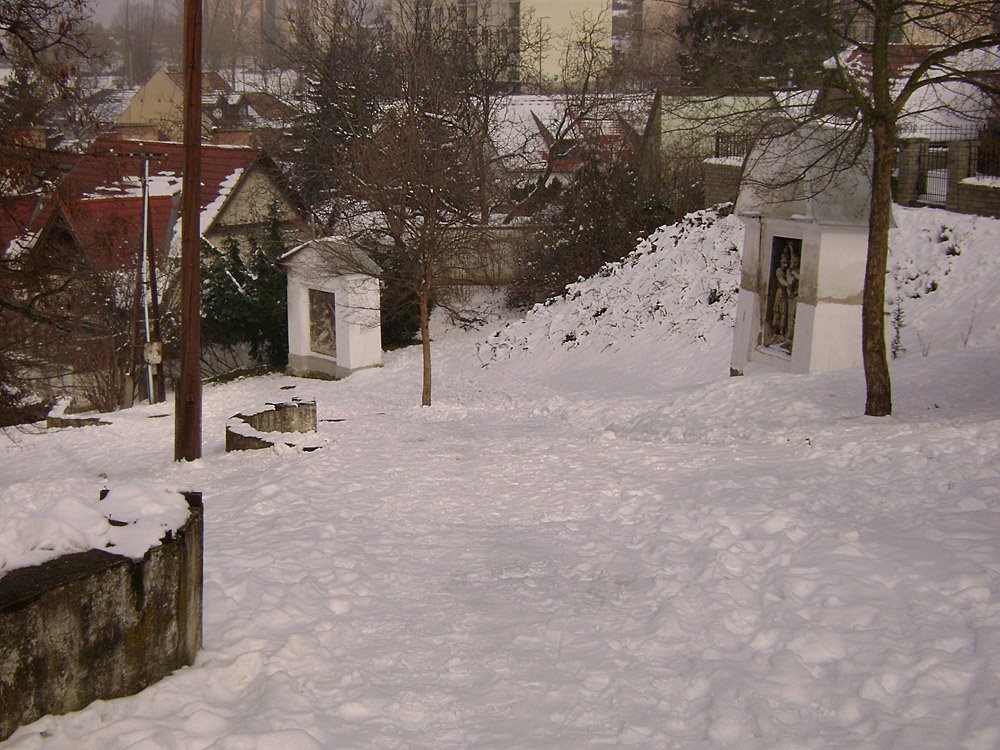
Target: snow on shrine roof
(809, 175)
(338, 255)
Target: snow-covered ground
(595, 540)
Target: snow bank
(681, 281)
(944, 274)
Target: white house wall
(257, 191)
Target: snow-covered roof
(810, 175)
(101, 195)
(522, 124)
(337, 255)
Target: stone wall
(722, 181)
(94, 625)
(958, 170)
(906, 185)
(246, 432)
(978, 199)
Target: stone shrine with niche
(804, 256)
(333, 309)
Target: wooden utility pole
(187, 397)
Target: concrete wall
(94, 625)
(297, 416)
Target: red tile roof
(111, 229)
(101, 196)
(112, 168)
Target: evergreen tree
(755, 43)
(344, 63)
(244, 299)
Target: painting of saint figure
(322, 323)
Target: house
(250, 118)
(333, 309)
(156, 111)
(716, 129)
(940, 160)
(545, 136)
(239, 184)
(255, 118)
(89, 231)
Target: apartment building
(641, 29)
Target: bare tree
(42, 34)
(488, 49)
(414, 170)
(42, 40)
(586, 85)
(958, 32)
(143, 33)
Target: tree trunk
(876, 362)
(883, 129)
(425, 344)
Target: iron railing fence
(732, 145)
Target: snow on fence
(95, 625)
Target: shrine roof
(337, 255)
(819, 174)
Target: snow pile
(129, 521)
(944, 270)
(682, 281)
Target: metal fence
(934, 173)
(984, 156)
(732, 144)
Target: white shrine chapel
(333, 309)
(804, 255)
